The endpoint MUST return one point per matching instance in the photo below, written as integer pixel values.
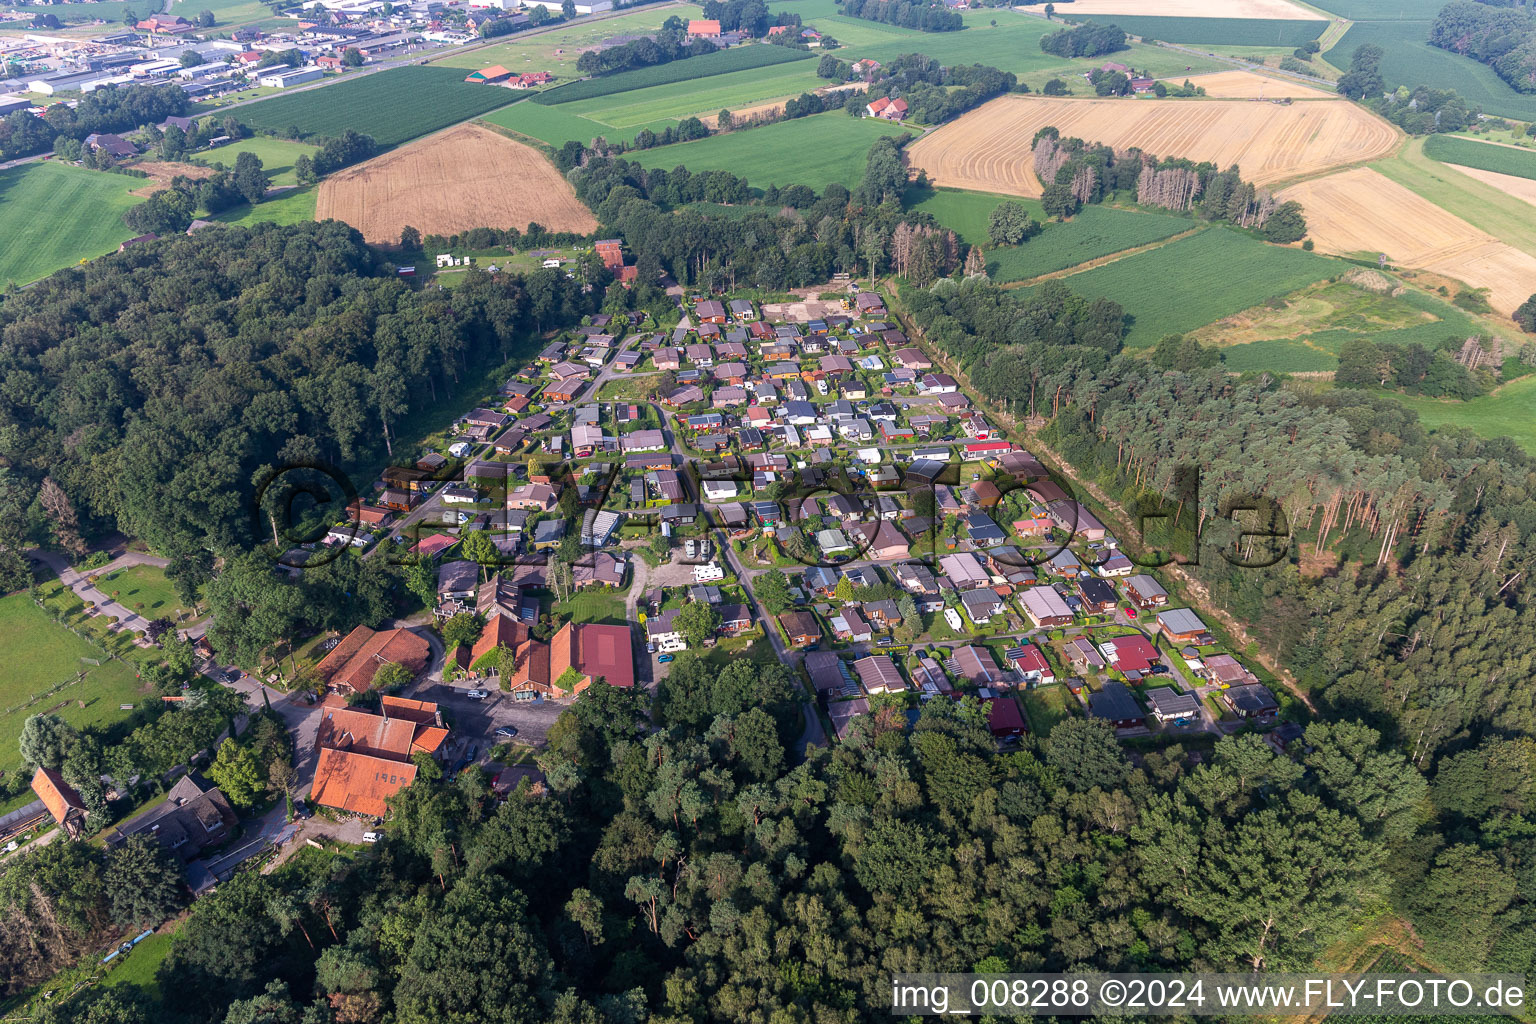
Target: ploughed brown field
(988, 149)
(1362, 211)
(466, 177)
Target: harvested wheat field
(988, 149)
(1245, 85)
(1361, 210)
(1273, 10)
(1510, 184)
(161, 172)
(466, 177)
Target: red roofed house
(891, 110)
(365, 756)
(61, 800)
(611, 252)
(1130, 653)
(352, 663)
(529, 79)
(1004, 718)
(567, 664)
(165, 24)
(704, 28)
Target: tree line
(922, 15)
(108, 110)
(669, 44)
(1090, 39)
(1076, 172)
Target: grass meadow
(1095, 232)
(44, 654)
(737, 59)
(293, 207)
(54, 215)
(1509, 411)
(393, 106)
(814, 151)
(1186, 284)
(276, 156)
(557, 51)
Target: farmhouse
(890, 110)
(365, 758)
(351, 664)
(193, 816)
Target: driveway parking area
(476, 721)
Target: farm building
(704, 28)
(888, 109)
(494, 73)
(289, 77)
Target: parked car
(664, 658)
(371, 837)
(477, 695)
(1130, 612)
(506, 732)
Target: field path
(1113, 257)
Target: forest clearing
(1362, 211)
(989, 148)
(466, 177)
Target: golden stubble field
(1245, 85)
(1360, 210)
(988, 149)
(1275, 10)
(466, 177)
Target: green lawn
(1510, 411)
(44, 654)
(143, 589)
(593, 605)
(288, 208)
(1095, 232)
(1195, 281)
(553, 126)
(1045, 706)
(814, 151)
(53, 215)
(276, 156)
(140, 966)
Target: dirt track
(466, 177)
(989, 148)
(1361, 210)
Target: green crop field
(658, 107)
(1096, 231)
(393, 106)
(54, 215)
(555, 50)
(1413, 62)
(1284, 34)
(106, 10)
(1510, 411)
(736, 60)
(43, 655)
(814, 151)
(1483, 156)
(1383, 10)
(1194, 281)
(276, 155)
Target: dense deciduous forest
(192, 366)
(105, 110)
(1502, 37)
(1090, 39)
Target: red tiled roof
(501, 630)
(361, 653)
(357, 782)
(605, 651)
(57, 795)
